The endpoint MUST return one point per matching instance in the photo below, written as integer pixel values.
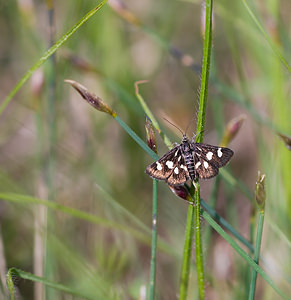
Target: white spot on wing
(219, 152)
(170, 164)
(176, 153)
(176, 170)
(183, 167)
(209, 155)
(197, 165)
(159, 166)
(179, 158)
(205, 163)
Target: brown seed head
(91, 98)
(261, 191)
(232, 129)
(150, 135)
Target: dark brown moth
(189, 160)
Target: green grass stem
(199, 139)
(185, 272)
(47, 54)
(152, 286)
(257, 254)
(198, 244)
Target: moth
(189, 160)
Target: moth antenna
(174, 126)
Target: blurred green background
(56, 147)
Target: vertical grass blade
(205, 72)
(257, 254)
(198, 244)
(195, 211)
(185, 273)
(199, 139)
(154, 241)
(260, 200)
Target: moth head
(185, 143)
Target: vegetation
(79, 217)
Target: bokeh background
(55, 147)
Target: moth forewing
(218, 156)
(164, 167)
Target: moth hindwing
(189, 160)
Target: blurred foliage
(91, 164)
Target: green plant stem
(185, 273)
(191, 210)
(205, 72)
(198, 243)
(199, 139)
(257, 254)
(154, 240)
(47, 54)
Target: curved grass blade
(13, 272)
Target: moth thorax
(185, 145)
